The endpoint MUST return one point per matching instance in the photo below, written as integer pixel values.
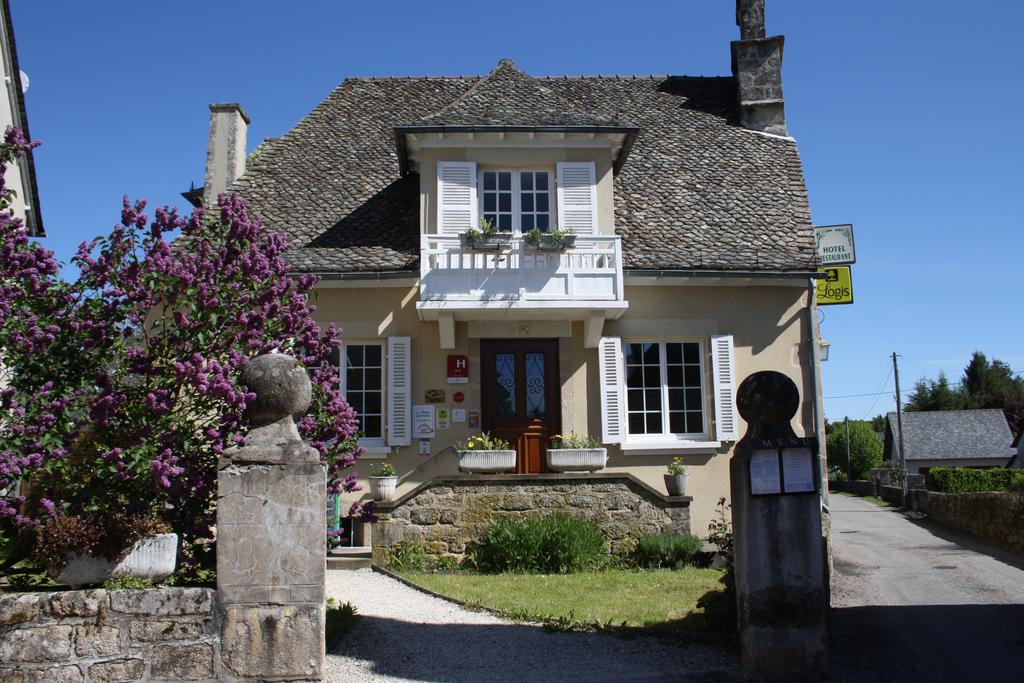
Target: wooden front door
(520, 397)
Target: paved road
(913, 602)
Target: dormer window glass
(516, 200)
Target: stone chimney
(757, 66)
(225, 151)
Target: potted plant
(383, 482)
(576, 453)
(553, 240)
(487, 238)
(675, 480)
(90, 548)
(485, 454)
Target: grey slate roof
(698, 191)
(952, 434)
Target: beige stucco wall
(518, 158)
(768, 324)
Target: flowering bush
(119, 390)
(484, 442)
(575, 440)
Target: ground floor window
(363, 384)
(665, 393)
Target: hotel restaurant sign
(835, 245)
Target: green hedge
(966, 480)
(666, 550)
(555, 544)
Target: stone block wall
(449, 513)
(94, 636)
(997, 517)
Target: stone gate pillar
(271, 535)
(781, 587)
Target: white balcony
(584, 282)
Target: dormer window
(516, 200)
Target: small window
(364, 389)
(664, 388)
(516, 200)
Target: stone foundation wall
(93, 636)
(449, 513)
(997, 517)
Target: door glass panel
(505, 386)
(535, 408)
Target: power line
(876, 393)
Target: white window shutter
(456, 197)
(609, 351)
(577, 197)
(399, 391)
(342, 368)
(723, 366)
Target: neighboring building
(1018, 457)
(949, 438)
(692, 267)
(22, 176)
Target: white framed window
(516, 200)
(666, 396)
(362, 382)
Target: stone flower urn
(383, 488)
(675, 484)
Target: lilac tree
(119, 390)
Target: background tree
(865, 448)
(935, 395)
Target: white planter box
(487, 462)
(383, 488)
(153, 559)
(577, 459)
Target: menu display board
(784, 466)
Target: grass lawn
(659, 599)
(871, 499)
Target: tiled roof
(697, 191)
(952, 434)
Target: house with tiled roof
(949, 438)
(671, 256)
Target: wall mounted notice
(458, 369)
(765, 477)
(798, 470)
(424, 446)
(443, 420)
(423, 422)
(836, 287)
(458, 414)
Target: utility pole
(849, 462)
(899, 424)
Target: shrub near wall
(965, 480)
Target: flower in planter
(484, 442)
(574, 440)
(553, 238)
(486, 231)
(676, 466)
(384, 469)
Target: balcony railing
(589, 271)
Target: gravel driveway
(913, 602)
(406, 635)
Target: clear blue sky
(907, 115)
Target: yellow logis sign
(836, 287)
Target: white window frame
(517, 220)
(665, 439)
(376, 447)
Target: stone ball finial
(281, 385)
(767, 397)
